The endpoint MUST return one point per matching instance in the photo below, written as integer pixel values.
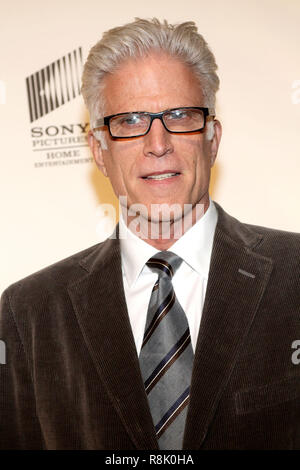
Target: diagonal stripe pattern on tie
(166, 357)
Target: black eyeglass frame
(105, 121)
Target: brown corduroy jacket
(72, 379)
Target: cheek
(200, 168)
(197, 159)
(118, 170)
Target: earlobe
(96, 149)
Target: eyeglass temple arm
(98, 123)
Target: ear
(215, 141)
(97, 152)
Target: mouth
(160, 176)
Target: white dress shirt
(189, 281)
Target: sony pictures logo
(54, 85)
(47, 90)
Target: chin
(165, 212)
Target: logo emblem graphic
(54, 85)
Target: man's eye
(176, 115)
(130, 120)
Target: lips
(161, 175)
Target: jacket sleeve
(19, 425)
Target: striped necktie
(166, 356)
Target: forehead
(153, 83)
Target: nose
(158, 141)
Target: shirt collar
(135, 252)
(194, 246)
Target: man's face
(154, 84)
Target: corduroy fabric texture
(72, 378)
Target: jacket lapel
(99, 303)
(236, 283)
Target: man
(177, 333)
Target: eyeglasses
(138, 123)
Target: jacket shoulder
(268, 241)
(278, 243)
(57, 276)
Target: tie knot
(164, 262)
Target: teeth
(162, 176)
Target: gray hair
(137, 39)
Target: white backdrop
(50, 188)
